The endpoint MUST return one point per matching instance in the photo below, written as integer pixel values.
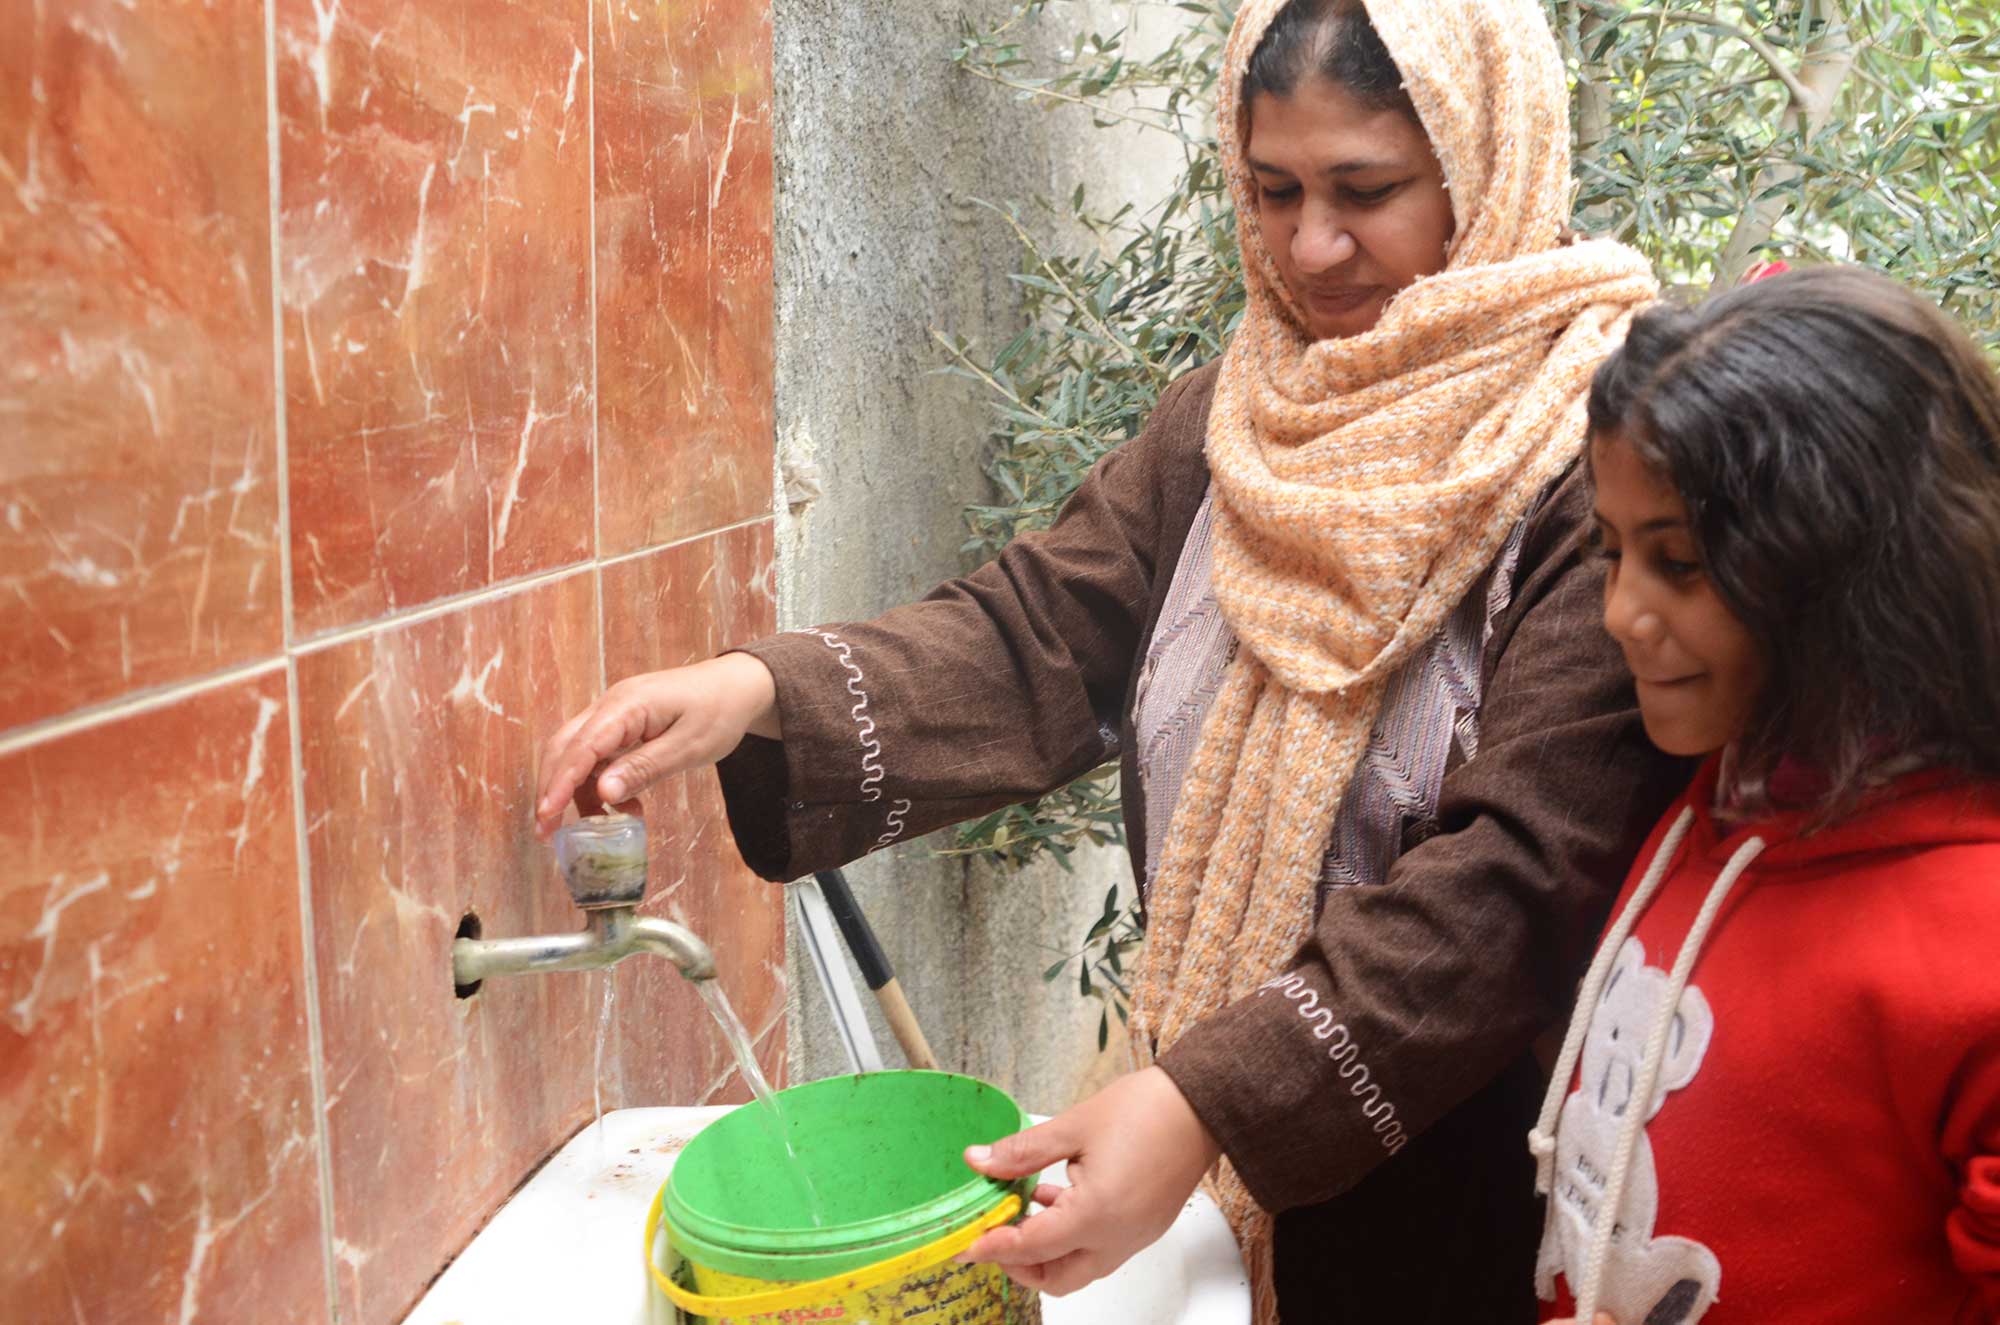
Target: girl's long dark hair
(1836, 440)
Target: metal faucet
(603, 861)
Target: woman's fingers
(551, 751)
(1135, 1151)
(1022, 1153)
(1036, 1240)
(618, 721)
(653, 726)
(1056, 1278)
(636, 769)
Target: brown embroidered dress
(1375, 1094)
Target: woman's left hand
(1136, 1152)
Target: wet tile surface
(676, 606)
(161, 1160)
(421, 745)
(684, 290)
(138, 531)
(435, 281)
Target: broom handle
(875, 969)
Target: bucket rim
(850, 1238)
(858, 1235)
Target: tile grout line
(145, 701)
(308, 957)
(787, 535)
(597, 437)
(440, 607)
(590, 206)
(130, 705)
(309, 964)
(623, 557)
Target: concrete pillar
(882, 147)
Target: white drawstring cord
(1637, 1111)
(1542, 1138)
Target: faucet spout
(676, 943)
(609, 935)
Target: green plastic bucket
(733, 1235)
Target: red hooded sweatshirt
(1823, 1139)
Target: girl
(1331, 610)
(1786, 1057)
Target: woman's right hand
(654, 725)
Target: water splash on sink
(770, 1110)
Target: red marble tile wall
(138, 497)
(420, 745)
(435, 273)
(497, 393)
(162, 1161)
(684, 288)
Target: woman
(1331, 611)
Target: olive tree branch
(1803, 93)
(1096, 108)
(998, 387)
(1826, 61)
(1593, 91)
(1076, 300)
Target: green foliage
(1086, 811)
(1107, 329)
(1100, 963)
(1711, 134)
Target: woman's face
(1698, 670)
(1350, 200)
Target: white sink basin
(566, 1246)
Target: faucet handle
(603, 859)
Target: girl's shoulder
(1913, 877)
(1930, 821)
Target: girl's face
(1351, 202)
(1699, 673)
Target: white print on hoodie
(1647, 1280)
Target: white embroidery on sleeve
(1346, 1055)
(872, 773)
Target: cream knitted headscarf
(1362, 485)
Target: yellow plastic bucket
(860, 1222)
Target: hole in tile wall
(468, 928)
